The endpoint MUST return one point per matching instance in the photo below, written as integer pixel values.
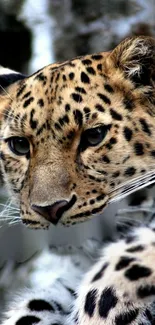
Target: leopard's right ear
(135, 57)
(8, 77)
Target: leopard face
(80, 134)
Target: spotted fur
(120, 287)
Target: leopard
(75, 137)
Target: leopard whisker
(14, 222)
(135, 209)
(131, 186)
(6, 92)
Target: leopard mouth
(131, 186)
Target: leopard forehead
(69, 97)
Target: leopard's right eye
(94, 136)
(20, 146)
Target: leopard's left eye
(19, 145)
(92, 137)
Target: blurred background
(34, 33)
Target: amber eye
(19, 145)
(92, 137)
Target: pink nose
(52, 212)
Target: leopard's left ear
(136, 58)
(8, 77)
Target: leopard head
(77, 135)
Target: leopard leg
(43, 307)
(120, 288)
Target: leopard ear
(136, 58)
(8, 77)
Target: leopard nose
(52, 212)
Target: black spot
(33, 123)
(71, 291)
(115, 174)
(41, 77)
(84, 78)
(28, 102)
(108, 300)
(104, 98)
(88, 212)
(70, 134)
(87, 112)
(97, 57)
(128, 103)
(77, 97)
(2, 156)
(136, 272)
(153, 153)
(59, 307)
(126, 317)
(134, 249)
(57, 126)
(100, 108)
(78, 117)
(41, 129)
(30, 222)
(28, 320)
(145, 126)
(99, 274)
(21, 90)
(27, 95)
(90, 302)
(106, 159)
(99, 67)
(124, 262)
(146, 291)
(91, 70)
(127, 133)
(148, 315)
(139, 149)
(39, 305)
(40, 102)
(86, 62)
(94, 115)
(80, 90)
(64, 120)
(130, 171)
(113, 140)
(100, 197)
(64, 77)
(108, 88)
(99, 209)
(67, 107)
(115, 115)
(71, 75)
